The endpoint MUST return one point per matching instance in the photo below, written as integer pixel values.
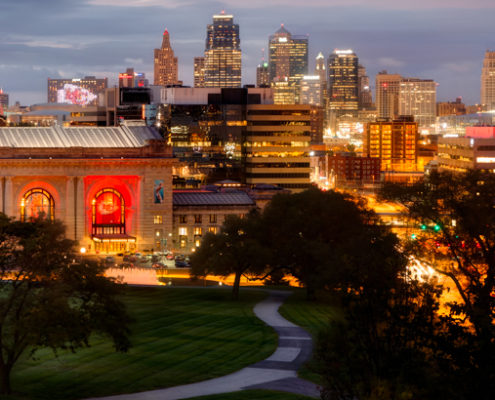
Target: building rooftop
(197, 198)
(88, 137)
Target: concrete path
(277, 372)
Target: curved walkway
(277, 372)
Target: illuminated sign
(73, 94)
(343, 51)
(485, 160)
(282, 39)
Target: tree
(47, 299)
(236, 249)
(457, 215)
(328, 240)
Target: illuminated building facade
(287, 57)
(343, 81)
(262, 75)
(394, 142)
(223, 53)
(284, 92)
(199, 72)
(311, 92)
(276, 146)
(418, 97)
(456, 107)
(131, 79)
(166, 65)
(349, 169)
(4, 101)
(488, 81)
(458, 154)
(387, 88)
(111, 187)
(82, 92)
(365, 97)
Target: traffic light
(423, 227)
(413, 236)
(436, 228)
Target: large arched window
(37, 202)
(108, 213)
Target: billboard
(73, 94)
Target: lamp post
(82, 252)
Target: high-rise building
(166, 64)
(321, 71)
(287, 58)
(488, 81)
(131, 79)
(199, 72)
(274, 151)
(387, 94)
(222, 53)
(262, 75)
(4, 101)
(343, 81)
(365, 98)
(417, 97)
(310, 90)
(394, 142)
(83, 91)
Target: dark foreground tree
(47, 299)
(456, 213)
(236, 249)
(328, 240)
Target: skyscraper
(417, 97)
(166, 64)
(199, 72)
(321, 71)
(488, 81)
(288, 56)
(343, 81)
(365, 98)
(387, 94)
(262, 75)
(222, 53)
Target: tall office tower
(288, 56)
(274, 151)
(394, 142)
(4, 101)
(365, 98)
(83, 91)
(131, 79)
(417, 97)
(310, 92)
(488, 81)
(343, 82)
(387, 94)
(262, 75)
(199, 72)
(223, 53)
(321, 71)
(166, 64)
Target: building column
(70, 199)
(79, 208)
(2, 194)
(9, 206)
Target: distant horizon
(102, 38)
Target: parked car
(110, 260)
(159, 265)
(181, 264)
(170, 256)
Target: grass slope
(179, 336)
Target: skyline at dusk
(65, 38)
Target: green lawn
(253, 395)
(312, 316)
(179, 336)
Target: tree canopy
(455, 217)
(49, 297)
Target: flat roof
(195, 198)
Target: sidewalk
(277, 372)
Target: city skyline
(63, 39)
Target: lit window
(158, 219)
(212, 229)
(182, 231)
(198, 231)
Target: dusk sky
(444, 40)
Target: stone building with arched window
(112, 187)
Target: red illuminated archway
(108, 213)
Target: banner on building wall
(158, 191)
